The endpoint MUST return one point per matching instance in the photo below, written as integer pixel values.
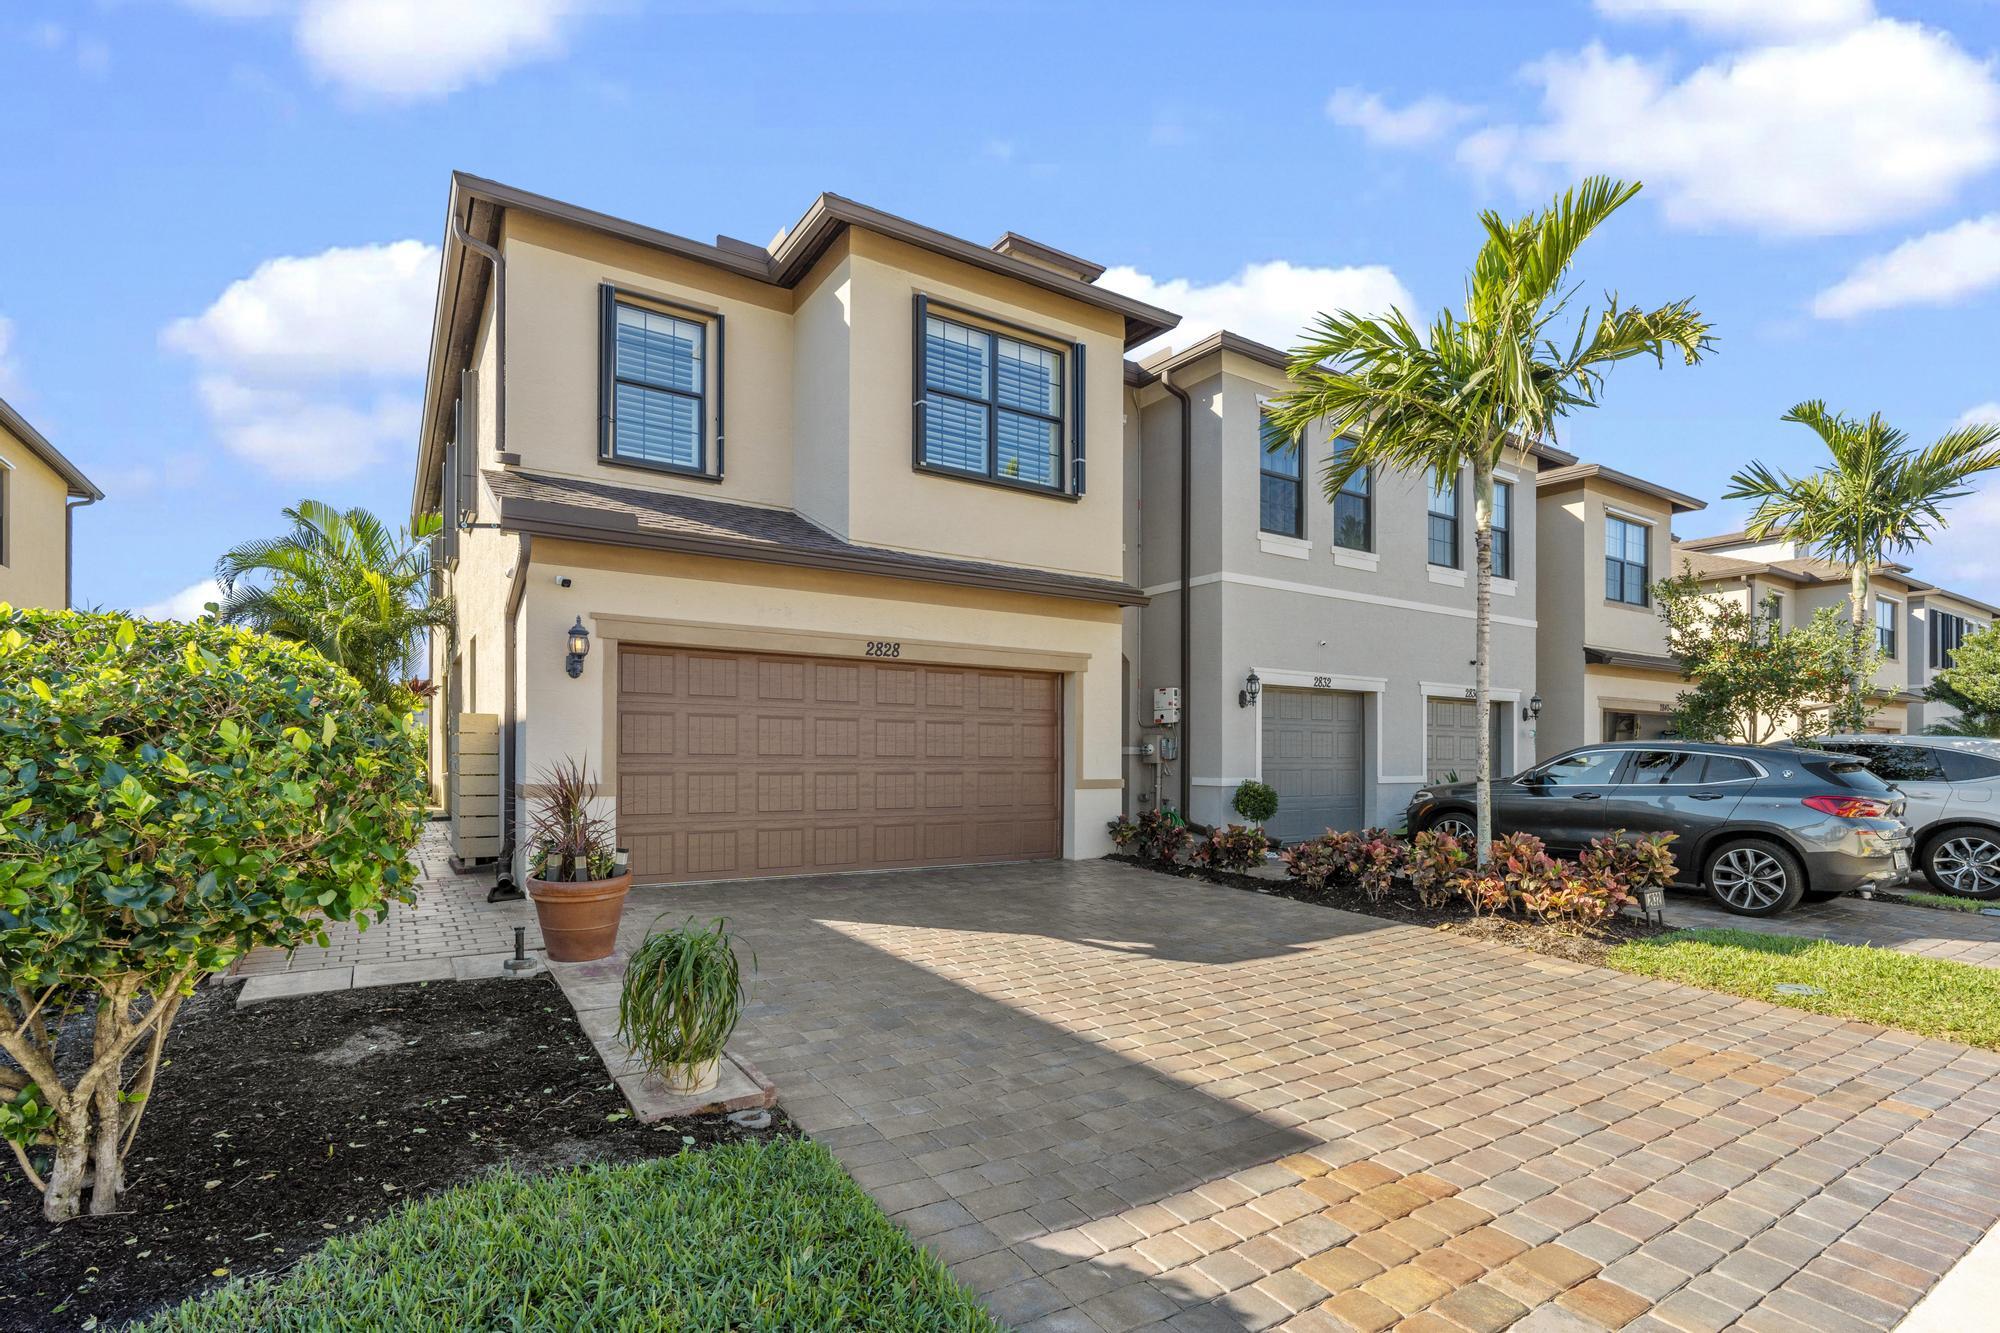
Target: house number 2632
(884, 648)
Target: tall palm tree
(1875, 500)
(342, 583)
(1469, 387)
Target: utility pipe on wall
(1187, 570)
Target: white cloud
(1937, 268)
(308, 367)
(1834, 133)
(394, 50)
(1979, 414)
(1751, 16)
(10, 369)
(1423, 121)
(1271, 302)
(183, 605)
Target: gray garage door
(1312, 758)
(1451, 729)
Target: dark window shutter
(448, 505)
(1076, 465)
(467, 434)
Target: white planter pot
(690, 1078)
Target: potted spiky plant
(574, 878)
(682, 995)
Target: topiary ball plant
(682, 995)
(1255, 801)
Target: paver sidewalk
(1117, 1100)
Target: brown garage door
(739, 764)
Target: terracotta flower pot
(580, 919)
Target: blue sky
(218, 240)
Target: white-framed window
(1281, 488)
(1442, 513)
(1886, 611)
(1503, 529)
(1627, 561)
(1354, 508)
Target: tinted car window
(1590, 768)
(1960, 766)
(1728, 768)
(1898, 763)
(1662, 767)
(1852, 774)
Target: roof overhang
(1576, 474)
(80, 487)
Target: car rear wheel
(1460, 826)
(1754, 878)
(1964, 859)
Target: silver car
(1952, 788)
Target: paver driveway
(1111, 1099)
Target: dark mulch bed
(278, 1126)
(1577, 944)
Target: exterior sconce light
(1534, 708)
(579, 648)
(1252, 687)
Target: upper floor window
(659, 370)
(1503, 529)
(1443, 546)
(1627, 565)
(1354, 509)
(1280, 490)
(1885, 626)
(993, 406)
(1947, 635)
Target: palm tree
(1876, 499)
(344, 584)
(1473, 385)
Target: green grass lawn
(1929, 996)
(769, 1236)
(1947, 902)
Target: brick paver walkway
(1966, 937)
(450, 922)
(1115, 1100)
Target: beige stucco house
(39, 490)
(1604, 538)
(825, 508)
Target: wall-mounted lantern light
(1252, 687)
(579, 648)
(1534, 708)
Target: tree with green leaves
(1970, 686)
(343, 583)
(1876, 499)
(1473, 385)
(1749, 678)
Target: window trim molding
(1069, 464)
(610, 297)
(1457, 523)
(1646, 583)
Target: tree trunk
(1482, 654)
(65, 1193)
(1857, 597)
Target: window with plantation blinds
(992, 405)
(657, 381)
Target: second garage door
(1312, 759)
(732, 765)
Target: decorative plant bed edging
(282, 1125)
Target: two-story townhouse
(1757, 572)
(1324, 648)
(1602, 662)
(1938, 622)
(795, 546)
(40, 491)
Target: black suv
(1760, 827)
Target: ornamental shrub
(1163, 838)
(1320, 861)
(1254, 800)
(1635, 862)
(1436, 863)
(1122, 830)
(171, 796)
(1238, 848)
(1378, 863)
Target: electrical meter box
(1166, 706)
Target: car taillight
(1849, 807)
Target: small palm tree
(1878, 498)
(1472, 385)
(344, 584)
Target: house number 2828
(884, 648)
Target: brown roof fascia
(80, 486)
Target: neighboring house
(1756, 571)
(39, 490)
(1355, 617)
(852, 593)
(1938, 622)
(1602, 667)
